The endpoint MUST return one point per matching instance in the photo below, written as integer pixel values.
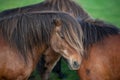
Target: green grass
(107, 10)
(8, 4)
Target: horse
(101, 59)
(24, 37)
(68, 6)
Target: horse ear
(57, 23)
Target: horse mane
(25, 31)
(55, 5)
(94, 32)
(68, 6)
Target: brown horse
(24, 37)
(68, 6)
(101, 60)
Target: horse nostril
(76, 64)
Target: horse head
(60, 45)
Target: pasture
(107, 10)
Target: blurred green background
(107, 10)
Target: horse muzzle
(74, 65)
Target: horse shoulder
(12, 64)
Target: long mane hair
(93, 33)
(25, 31)
(68, 6)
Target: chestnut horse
(24, 37)
(68, 6)
(101, 59)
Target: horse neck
(30, 56)
(94, 33)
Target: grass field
(107, 10)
